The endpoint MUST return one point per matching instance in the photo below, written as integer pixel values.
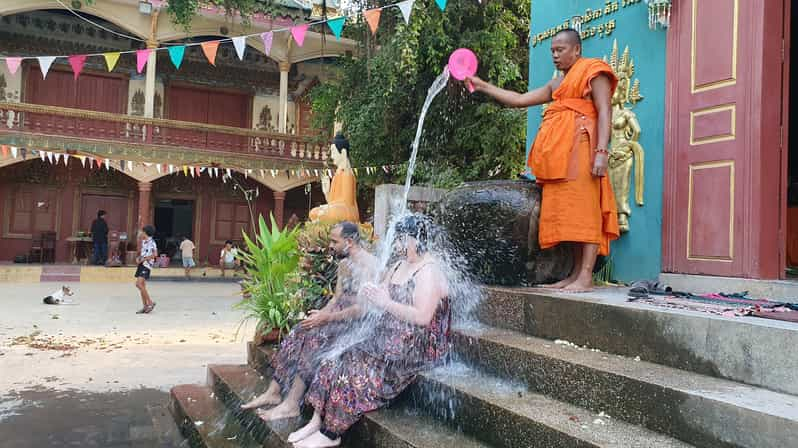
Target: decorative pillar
(145, 190)
(279, 207)
(285, 67)
(149, 83)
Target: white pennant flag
(171, 169)
(406, 7)
(57, 158)
(274, 174)
(262, 173)
(216, 172)
(147, 164)
(228, 172)
(247, 172)
(82, 160)
(130, 165)
(51, 157)
(14, 151)
(329, 173)
(158, 168)
(66, 159)
(42, 155)
(191, 170)
(315, 172)
(240, 43)
(202, 169)
(107, 164)
(44, 63)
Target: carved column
(145, 190)
(279, 207)
(149, 83)
(285, 67)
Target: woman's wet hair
(349, 231)
(417, 226)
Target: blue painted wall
(638, 253)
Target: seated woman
(411, 336)
(298, 358)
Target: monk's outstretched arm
(535, 97)
(601, 89)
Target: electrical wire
(97, 24)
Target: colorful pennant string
(176, 54)
(299, 33)
(141, 59)
(111, 59)
(210, 48)
(337, 26)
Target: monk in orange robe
(569, 156)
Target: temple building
(702, 158)
(197, 145)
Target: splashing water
(436, 88)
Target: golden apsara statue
(340, 192)
(625, 150)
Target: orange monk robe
(576, 206)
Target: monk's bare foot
(580, 285)
(559, 285)
(306, 431)
(268, 398)
(317, 440)
(281, 411)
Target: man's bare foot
(281, 411)
(304, 432)
(317, 440)
(580, 285)
(268, 398)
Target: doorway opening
(174, 218)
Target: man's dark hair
(349, 230)
(100, 213)
(230, 242)
(149, 230)
(573, 36)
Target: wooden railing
(67, 122)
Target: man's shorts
(230, 265)
(143, 272)
(188, 262)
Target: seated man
(298, 358)
(228, 259)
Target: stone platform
(554, 370)
(72, 273)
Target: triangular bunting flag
(299, 33)
(77, 62)
(43, 156)
(171, 169)
(158, 168)
(141, 59)
(329, 173)
(373, 18)
(267, 37)
(82, 160)
(192, 170)
(111, 59)
(240, 43)
(315, 172)
(185, 170)
(130, 165)
(262, 173)
(13, 64)
(353, 169)
(107, 164)
(66, 159)
(176, 53)
(99, 163)
(406, 7)
(337, 26)
(210, 48)
(44, 64)
(51, 157)
(197, 171)
(147, 164)
(441, 4)
(5, 151)
(57, 158)
(247, 173)
(229, 174)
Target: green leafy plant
(272, 286)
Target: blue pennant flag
(337, 26)
(176, 54)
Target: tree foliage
(377, 97)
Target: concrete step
(396, 427)
(204, 421)
(507, 415)
(750, 350)
(699, 409)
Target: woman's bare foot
(268, 398)
(304, 432)
(317, 440)
(279, 412)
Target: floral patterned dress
(370, 374)
(299, 353)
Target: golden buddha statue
(625, 150)
(341, 191)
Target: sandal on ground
(149, 309)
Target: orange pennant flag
(5, 151)
(373, 18)
(209, 48)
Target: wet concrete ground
(97, 374)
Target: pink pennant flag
(141, 58)
(267, 38)
(299, 33)
(77, 62)
(5, 151)
(13, 64)
(99, 163)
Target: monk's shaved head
(570, 35)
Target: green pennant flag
(176, 54)
(337, 26)
(441, 4)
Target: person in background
(99, 236)
(228, 259)
(187, 254)
(145, 260)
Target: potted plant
(271, 287)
